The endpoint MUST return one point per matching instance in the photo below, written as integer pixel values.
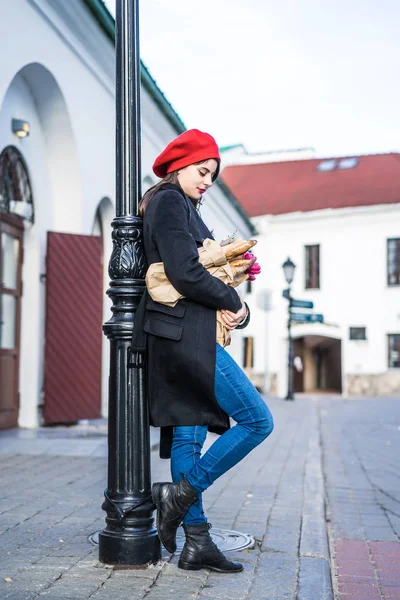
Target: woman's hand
(232, 320)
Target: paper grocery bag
(212, 257)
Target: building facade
(57, 203)
(339, 221)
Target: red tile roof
(285, 187)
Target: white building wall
(59, 76)
(353, 287)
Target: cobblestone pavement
(51, 495)
(361, 459)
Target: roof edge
(236, 204)
(395, 154)
(107, 23)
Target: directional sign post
(301, 303)
(307, 317)
(297, 317)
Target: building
(237, 154)
(339, 221)
(56, 205)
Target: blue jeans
(237, 396)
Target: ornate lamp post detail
(289, 269)
(129, 537)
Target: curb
(315, 581)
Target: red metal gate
(74, 291)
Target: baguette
(237, 248)
(240, 265)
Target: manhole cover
(226, 539)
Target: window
(15, 187)
(339, 163)
(248, 352)
(394, 351)
(393, 261)
(312, 267)
(358, 333)
(326, 165)
(248, 286)
(348, 163)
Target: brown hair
(170, 178)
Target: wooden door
(11, 256)
(298, 365)
(74, 300)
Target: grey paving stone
(172, 570)
(266, 587)
(266, 488)
(284, 546)
(63, 588)
(314, 539)
(174, 587)
(135, 590)
(19, 595)
(381, 533)
(224, 590)
(24, 586)
(314, 579)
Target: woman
(194, 386)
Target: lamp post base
(121, 547)
(289, 397)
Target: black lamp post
(289, 269)
(129, 537)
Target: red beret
(190, 147)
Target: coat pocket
(161, 327)
(172, 311)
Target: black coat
(182, 339)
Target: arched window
(15, 187)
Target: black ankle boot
(172, 501)
(200, 552)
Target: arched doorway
(50, 151)
(317, 364)
(16, 204)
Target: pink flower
(254, 269)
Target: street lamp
(289, 268)
(20, 128)
(129, 537)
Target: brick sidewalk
(361, 450)
(49, 504)
(369, 570)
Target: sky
(279, 74)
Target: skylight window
(326, 165)
(348, 163)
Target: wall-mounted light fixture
(20, 128)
